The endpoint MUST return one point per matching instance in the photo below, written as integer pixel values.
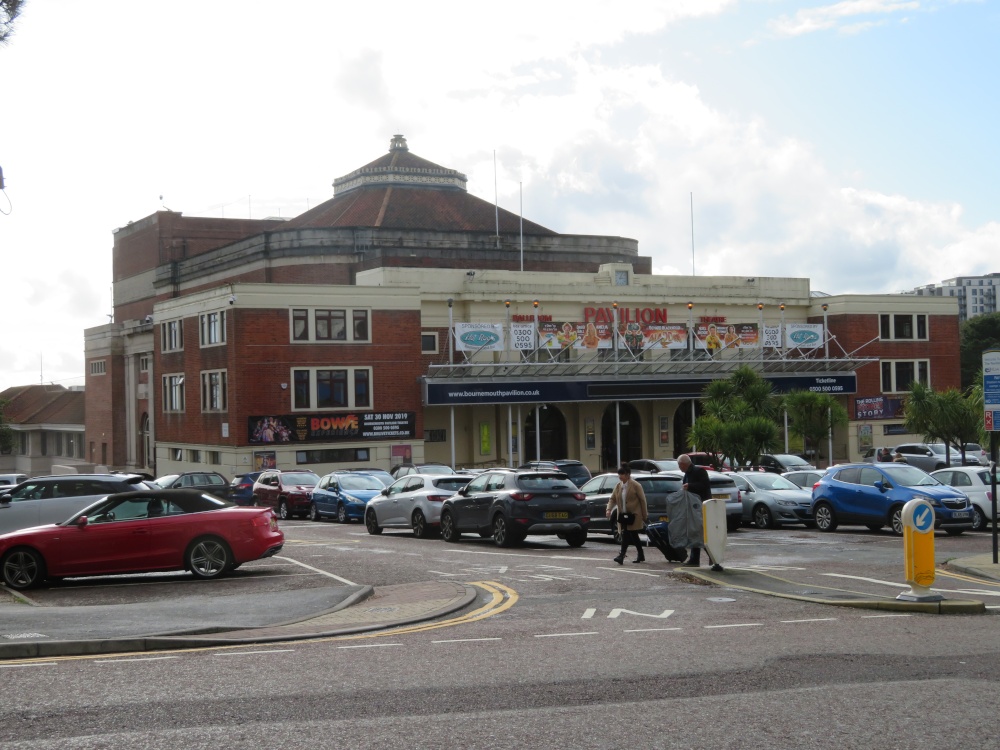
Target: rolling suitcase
(659, 538)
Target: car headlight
(352, 499)
(791, 503)
(931, 500)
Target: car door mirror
(464, 492)
(385, 492)
(5, 500)
(81, 521)
(880, 485)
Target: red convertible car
(138, 532)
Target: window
(332, 456)
(214, 458)
(99, 367)
(172, 336)
(214, 389)
(44, 443)
(332, 388)
(177, 453)
(194, 456)
(213, 328)
(898, 375)
(144, 363)
(428, 342)
(330, 325)
(903, 327)
(173, 393)
(57, 444)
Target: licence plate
(721, 497)
(665, 518)
(556, 514)
(960, 514)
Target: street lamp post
(451, 361)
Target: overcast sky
(853, 143)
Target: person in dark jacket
(695, 480)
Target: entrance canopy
(552, 382)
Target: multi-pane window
(213, 328)
(173, 393)
(171, 336)
(906, 327)
(330, 324)
(214, 388)
(899, 374)
(98, 367)
(144, 363)
(332, 388)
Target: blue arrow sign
(923, 518)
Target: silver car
(53, 499)
(414, 502)
(974, 483)
(932, 456)
(770, 500)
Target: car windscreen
(575, 471)
(764, 481)
(545, 482)
(360, 482)
(436, 469)
(791, 460)
(909, 476)
(451, 483)
(167, 480)
(656, 484)
(307, 480)
(666, 465)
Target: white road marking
(34, 664)
(588, 613)
(144, 658)
(317, 570)
(251, 653)
(372, 645)
(903, 585)
(614, 614)
(814, 619)
(565, 635)
(874, 616)
(519, 554)
(737, 625)
(468, 640)
(649, 630)
(633, 572)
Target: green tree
(813, 415)
(976, 336)
(6, 434)
(9, 10)
(739, 417)
(949, 417)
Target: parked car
(514, 504)
(413, 502)
(289, 492)
(206, 481)
(931, 456)
(974, 482)
(241, 488)
(770, 500)
(52, 499)
(779, 463)
(804, 479)
(9, 480)
(575, 470)
(874, 495)
(343, 495)
(655, 487)
(148, 530)
(874, 455)
(975, 450)
(380, 474)
(654, 465)
(402, 470)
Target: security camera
(232, 299)
(148, 319)
(470, 274)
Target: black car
(513, 504)
(575, 470)
(655, 487)
(206, 481)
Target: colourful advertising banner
(475, 337)
(555, 335)
(639, 336)
(718, 336)
(304, 428)
(803, 335)
(878, 407)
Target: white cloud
(838, 15)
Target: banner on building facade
(803, 335)
(475, 337)
(304, 428)
(772, 337)
(715, 337)
(567, 335)
(637, 336)
(878, 407)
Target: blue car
(343, 495)
(874, 495)
(241, 488)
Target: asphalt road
(589, 654)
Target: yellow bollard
(918, 552)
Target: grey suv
(932, 456)
(53, 499)
(514, 504)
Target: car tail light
(521, 495)
(739, 496)
(263, 519)
(579, 496)
(243, 486)
(437, 498)
(816, 485)
(989, 495)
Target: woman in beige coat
(634, 504)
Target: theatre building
(407, 320)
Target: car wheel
(576, 538)
(23, 569)
(503, 535)
(371, 523)
(283, 513)
(208, 557)
(762, 518)
(314, 513)
(419, 524)
(954, 532)
(874, 526)
(896, 520)
(342, 514)
(449, 532)
(826, 518)
(254, 500)
(979, 521)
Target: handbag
(626, 519)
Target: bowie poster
(303, 428)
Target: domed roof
(401, 190)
